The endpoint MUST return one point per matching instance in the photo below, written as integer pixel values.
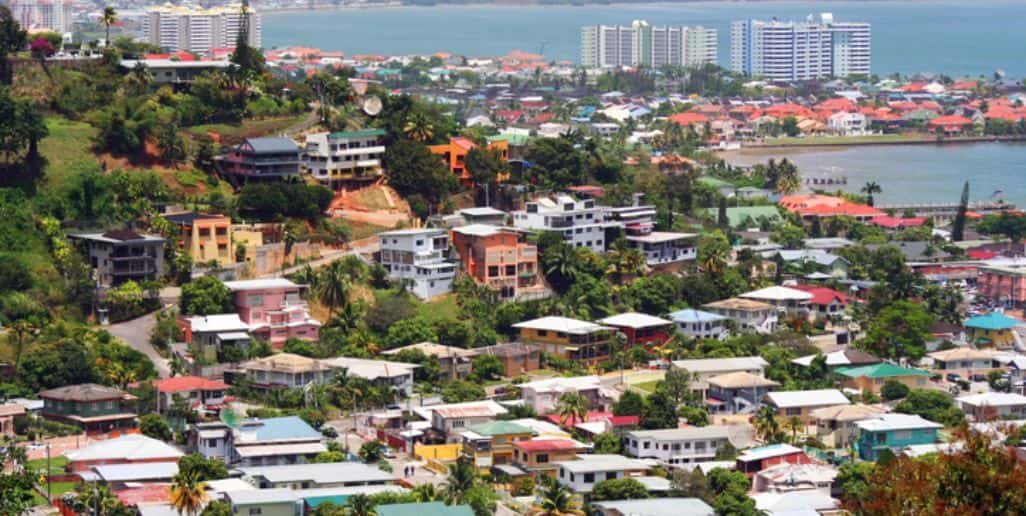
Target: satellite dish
(372, 105)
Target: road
(136, 334)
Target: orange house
(499, 258)
(455, 152)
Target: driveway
(136, 334)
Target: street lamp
(621, 340)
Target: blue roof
(272, 145)
(992, 321)
(690, 315)
(424, 509)
(289, 427)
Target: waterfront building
(419, 257)
(40, 15)
(641, 44)
(798, 51)
(343, 158)
(175, 28)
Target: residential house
(660, 248)
(213, 337)
(450, 420)
(582, 474)
(848, 124)
(117, 256)
(482, 215)
(454, 154)
(501, 259)
(420, 259)
(93, 408)
(454, 363)
(951, 125)
(348, 158)
(1003, 283)
(206, 397)
(738, 392)
(847, 357)
(8, 411)
(966, 361)
(787, 503)
(274, 310)
(699, 324)
(423, 509)
(206, 237)
(259, 442)
(818, 206)
(517, 358)
(992, 330)
(893, 432)
(263, 502)
(825, 303)
(793, 302)
(816, 260)
(582, 223)
(871, 378)
(787, 477)
(653, 507)
(993, 405)
(124, 477)
(757, 459)
(395, 375)
(261, 159)
(748, 314)
(835, 426)
(491, 444)
(640, 329)
(543, 455)
(567, 338)
(543, 395)
(316, 476)
(677, 445)
(126, 449)
(287, 371)
(801, 404)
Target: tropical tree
(624, 261)
(766, 425)
(108, 18)
(557, 500)
(360, 505)
(794, 424)
(572, 406)
(12, 40)
(333, 287)
(561, 266)
(188, 493)
(713, 252)
(870, 189)
(427, 493)
(958, 225)
(418, 127)
(462, 478)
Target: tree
(413, 169)
(202, 467)
(17, 491)
(360, 505)
(370, 452)
(108, 18)
(731, 488)
(691, 484)
(893, 390)
(677, 385)
(249, 60)
(418, 127)
(153, 425)
(410, 331)
(713, 252)
(555, 163)
(933, 405)
(788, 235)
(217, 508)
(206, 296)
(721, 217)
(998, 382)
(958, 225)
(572, 407)
(695, 416)
(618, 489)
(608, 442)
(767, 427)
(853, 479)
(171, 145)
(561, 266)
(12, 40)
(660, 412)
(630, 404)
(333, 287)
(482, 499)
(898, 330)
(460, 391)
(487, 367)
(557, 500)
(187, 493)
(871, 188)
(462, 477)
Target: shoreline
(840, 144)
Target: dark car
(953, 377)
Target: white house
(993, 405)
(419, 257)
(789, 300)
(749, 314)
(698, 324)
(677, 445)
(582, 223)
(334, 159)
(847, 124)
(543, 395)
(581, 475)
(398, 375)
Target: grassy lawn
(232, 134)
(848, 140)
(66, 148)
(372, 199)
(648, 387)
(57, 463)
(442, 309)
(361, 230)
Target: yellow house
(207, 237)
(571, 339)
(491, 444)
(871, 378)
(992, 330)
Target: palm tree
(557, 500)
(870, 189)
(109, 17)
(333, 286)
(794, 424)
(188, 493)
(562, 262)
(418, 128)
(428, 493)
(624, 262)
(573, 406)
(360, 505)
(139, 77)
(766, 425)
(462, 477)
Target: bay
(967, 37)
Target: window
(881, 438)
(457, 423)
(493, 271)
(794, 411)
(543, 333)
(542, 458)
(610, 475)
(589, 478)
(666, 447)
(646, 445)
(255, 510)
(676, 447)
(511, 270)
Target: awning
(510, 470)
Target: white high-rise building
(52, 15)
(641, 44)
(796, 51)
(200, 30)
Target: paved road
(136, 334)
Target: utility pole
(49, 495)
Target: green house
(893, 432)
(94, 408)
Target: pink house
(274, 310)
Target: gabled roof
(767, 452)
(129, 448)
(657, 507)
(844, 357)
(847, 412)
(992, 321)
(277, 429)
(683, 434)
(187, 384)
(740, 380)
(713, 365)
(993, 399)
(85, 392)
(323, 473)
(561, 324)
(949, 355)
(791, 399)
(822, 295)
(539, 445)
(272, 145)
(778, 293)
(690, 315)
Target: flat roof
(887, 422)
(260, 284)
(778, 293)
(261, 496)
(766, 452)
(691, 315)
(562, 324)
(683, 434)
(635, 320)
(270, 450)
(712, 365)
(993, 399)
(217, 323)
(136, 472)
(331, 472)
(789, 399)
(603, 462)
(658, 237)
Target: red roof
(981, 254)
(964, 85)
(950, 121)
(187, 384)
(822, 295)
(786, 110)
(898, 222)
(836, 104)
(689, 118)
(537, 445)
(147, 494)
(848, 208)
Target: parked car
(953, 377)
(978, 378)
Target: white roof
(765, 452)
(260, 284)
(371, 369)
(219, 323)
(683, 434)
(715, 365)
(427, 412)
(481, 211)
(794, 503)
(563, 384)
(658, 237)
(561, 324)
(777, 293)
(478, 229)
(332, 472)
(657, 507)
(885, 422)
(603, 462)
(788, 399)
(635, 320)
(136, 472)
(993, 399)
(271, 450)
(228, 484)
(261, 496)
(131, 447)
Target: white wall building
(582, 223)
(677, 445)
(200, 30)
(582, 474)
(848, 124)
(641, 44)
(797, 51)
(43, 14)
(420, 257)
(344, 157)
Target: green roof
(714, 182)
(363, 133)
(513, 139)
(737, 214)
(423, 509)
(881, 370)
(499, 428)
(992, 321)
